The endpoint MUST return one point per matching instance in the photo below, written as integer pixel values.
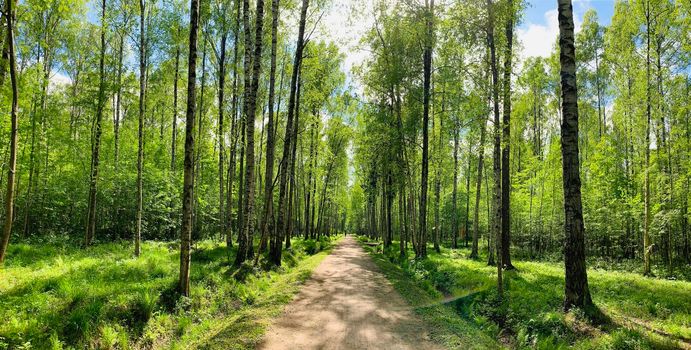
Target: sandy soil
(347, 304)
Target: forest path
(347, 304)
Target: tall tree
(174, 131)
(188, 177)
(233, 128)
(12, 166)
(506, 143)
(454, 193)
(421, 250)
(268, 220)
(480, 165)
(222, 217)
(276, 246)
(96, 145)
(496, 193)
(437, 181)
(250, 110)
(140, 130)
(576, 289)
(647, 246)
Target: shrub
(311, 246)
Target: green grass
(458, 295)
(54, 296)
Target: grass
(55, 296)
(458, 297)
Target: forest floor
(457, 296)
(348, 304)
(56, 295)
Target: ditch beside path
(347, 304)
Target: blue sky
(536, 9)
(539, 28)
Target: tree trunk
(233, 131)
(647, 246)
(467, 197)
(389, 205)
(576, 287)
(222, 217)
(140, 148)
(421, 251)
(687, 187)
(118, 104)
(665, 145)
(454, 195)
(282, 224)
(490, 250)
(198, 157)
(12, 166)
(242, 244)
(497, 210)
(308, 195)
(174, 133)
(437, 187)
(250, 110)
(506, 151)
(327, 181)
(96, 146)
(33, 172)
(314, 188)
(291, 168)
(401, 221)
(474, 254)
(241, 177)
(268, 217)
(188, 178)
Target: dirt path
(347, 304)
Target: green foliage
(614, 87)
(312, 246)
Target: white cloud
(539, 39)
(57, 80)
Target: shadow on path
(347, 304)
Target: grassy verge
(446, 327)
(643, 313)
(55, 296)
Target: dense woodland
(102, 152)
(233, 125)
(633, 109)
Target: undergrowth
(54, 296)
(633, 312)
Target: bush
(311, 246)
(443, 281)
